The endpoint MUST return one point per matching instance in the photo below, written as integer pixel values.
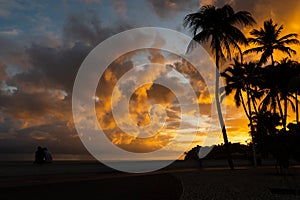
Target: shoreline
(189, 183)
(77, 179)
(11, 171)
(20, 165)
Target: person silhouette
(48, 156)
(39, 155)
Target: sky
(43, 44)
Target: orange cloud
(145, 96)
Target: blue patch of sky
(29, 17)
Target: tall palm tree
(270, 86)
(294, 86)
(268, 40)
(277, 88)
(239, 78)
(217, 26)
(287, 69)
(235, 76)
(265, 124)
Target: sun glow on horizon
(44, 44)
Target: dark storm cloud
(33, 106)
(44, 80)
(58, 66)
(56, 136)
(88, 28)
(54, 66)
(85, 28)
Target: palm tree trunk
(297, 114)
(251, 126)
(285, 112)
(254, 105)
(219, 110)
(244, 106)
(281, 112)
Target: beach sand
(78, 180)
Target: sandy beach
(92, 179)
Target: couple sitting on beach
(42, 155)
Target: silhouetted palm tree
(268, 40)
(287, 69)
(239, 78)
(294, 86)
(276, 85)
(270, 85)
(265, 124)
(236, 79)
(218, 27)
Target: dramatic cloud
(147, 95)
(43, 77)
(55, 135)
(43, 46)
(87, 28)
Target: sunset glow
(43, 44)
